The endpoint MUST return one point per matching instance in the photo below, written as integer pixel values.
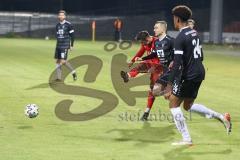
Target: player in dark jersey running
(163, 50)
(149, 66)
(65, 42)
(187, 75)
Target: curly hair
(183, 12)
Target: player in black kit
(65, 42)
(163, 50)
(187, 75)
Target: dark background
(116, 7)
(106, 7)
(113, 7)
(136, 15)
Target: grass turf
(26, 65)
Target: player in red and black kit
(152, 66)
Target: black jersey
(64, 35)
(188, 56)
(163, 49)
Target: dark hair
(142, 35)
(183, 12)
(62, 11)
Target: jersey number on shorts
(197, 52)
(63, 55)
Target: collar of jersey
(162, 38)
(63, 22)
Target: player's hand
(168, 91)
(138, 59)
(71, 48)
(130, 64)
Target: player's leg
(140, 68)
(161, 83)
(191, 91)
(73, 72)
(158, 89)
(202, 110)
(150, 101)
(58, 65)
(179, 120)
(175, 101)
(67, 64)
(151, 98)
(208, 113)
(58, 70)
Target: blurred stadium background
(37, 19)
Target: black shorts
(164, 78)
(61, 53)
(186, 88)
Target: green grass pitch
(25, 67)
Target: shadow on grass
(25, 127)
(43, 85)
(146, 134)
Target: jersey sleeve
(56, 29)
(139, 53)
(71, 33)
(178, 59)
(150, 56)
(71, 29)
(171, 49)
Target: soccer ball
(31, 111)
